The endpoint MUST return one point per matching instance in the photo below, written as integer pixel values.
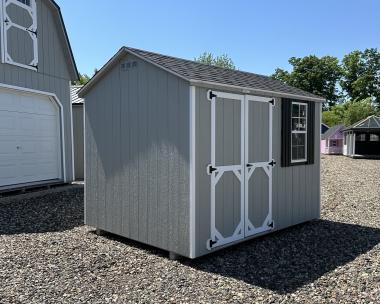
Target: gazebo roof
(367, 124)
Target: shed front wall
(52, 75)
(137, 155)
(296, 189)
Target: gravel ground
(47, 255)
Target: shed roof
(331, 131)
(370, 123)
(75, 99)
(198, 73)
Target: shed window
(360, 137)
(299, 132)
(298, 128)
(26, 2)
(374, 137)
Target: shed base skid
(357, 156)
(173, 256)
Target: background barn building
(36, 67)
(192, 158)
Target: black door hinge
(34, 32)
(211, 169)
(249, 165)
(211, 243)
(272, 163)
(271, 101)
(211, 95)
(270, 224)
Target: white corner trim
(53, 97)
(84, 161)
(192, 172)
(72, 139)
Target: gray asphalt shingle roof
(75, 99)
(331, 131)
(192, 70)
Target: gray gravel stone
(47, 255)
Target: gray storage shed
(36, 67)
(78, 132)
(192, 158)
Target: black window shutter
(310, 132)
(285, 132)
(286, 108)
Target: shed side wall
(78, 141)
(52, 75)
(137, 155)
(296, 194)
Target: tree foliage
(349, 112)
(319, 76)
(223, 61)
(83, 79)
(361, 75)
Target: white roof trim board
(206, 75)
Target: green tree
(334, 116)
(316, 75)
(361, 75)
(83, 79)
(358, 110)
(223, 61)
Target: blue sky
(258, 35)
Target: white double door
(241, 166)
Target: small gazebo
(362, 139)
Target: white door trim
(55, 99)
(216, 175)
(192, 130)
(250, 229)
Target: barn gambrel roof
(198, 73)
(369, 123)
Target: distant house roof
(370, 123)
(198, 73)
(330, 132)
(75, 99)
(324, 127)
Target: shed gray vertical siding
(137, 156)
(52, 75)
(296, 196)
(78, 140)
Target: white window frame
(293, 161)
(32, 30)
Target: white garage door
(30, 138)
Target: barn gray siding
(137, 156)
(296, 194)
(78, 134)
(52, 75)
